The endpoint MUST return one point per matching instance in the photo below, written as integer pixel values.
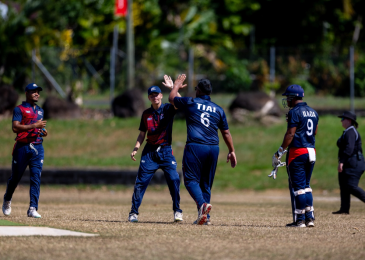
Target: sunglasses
(342, 119)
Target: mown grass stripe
(4, 222)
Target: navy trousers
(199, 165)
(300, 173)
(24, 155)
(154, 158)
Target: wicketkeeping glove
(275, 170)
(277, 156)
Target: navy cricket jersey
(305, 119)
(203, 119)
(27, 115)
(158, 124)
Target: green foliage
(237, 76)
(360, 76)
(219, 31)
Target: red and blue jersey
(158, 124)
(27, 115)
(305, 119)
(203, 119)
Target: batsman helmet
(294, 90)
(291, 92)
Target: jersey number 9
(309, 127)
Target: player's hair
(205, 86)
(355, 124)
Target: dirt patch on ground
(246, 225)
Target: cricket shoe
(309, 222)
(133, 217)
(178, 216)
(207, 222)
(32, 213)
(7, 207)
(298, 223)
(203, 212)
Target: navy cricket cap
(294, 90)
(205, 86)
(32, 86)
(154, 89)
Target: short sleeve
(142, 125)
(170, 109)
(293, 119)
(17, 114)
(181, 102)
(223, 125)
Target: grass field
(108, 143)
(245, 225)
(4, 222)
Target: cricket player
(203, 119)
(157, 154)
(300, 141)
(29, 126)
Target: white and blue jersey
(305, 119)
(203, 119)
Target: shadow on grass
(175, 223)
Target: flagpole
(130, 45)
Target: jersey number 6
(204, 119)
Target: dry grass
(246, 225)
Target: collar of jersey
(301, 104)
(26, 104)
(159, 110)
(206, 97)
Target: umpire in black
(351, 164)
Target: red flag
(121, 7)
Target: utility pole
(130, 46)
(272, 64)
(113, 53)
(33, 66)
(272, 70)
(352, 79)
(191, 70)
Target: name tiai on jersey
(309, 114)
(206, 108)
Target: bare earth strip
(246, 225)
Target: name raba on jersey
(206, 108)
(309, 114)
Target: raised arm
(139, 142)
(169, 84)
(229, 142)
(178, 84)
